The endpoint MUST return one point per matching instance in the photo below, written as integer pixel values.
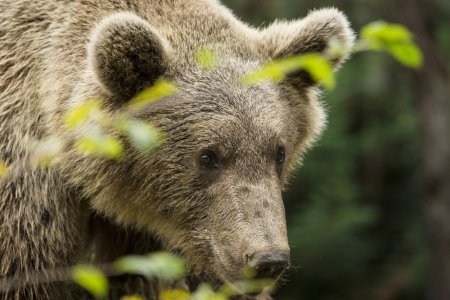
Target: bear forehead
(223, 90)
(245, 118)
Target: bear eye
(281, 155)
(208, 160)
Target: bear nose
(269, 264)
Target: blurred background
(369, 212)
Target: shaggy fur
(56, 54)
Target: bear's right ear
(127, 54)
(313, 33)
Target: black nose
(269, 264)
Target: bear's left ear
(311, 34)
(127, 54)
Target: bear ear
(127, 54)
(314, 33)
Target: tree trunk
(432, 85)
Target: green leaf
(143, 135)
(91, 279)
(132, 297)
(162, 88)
(246, 287)
(177, 294)
(320, 69)
(394, 39)
(381, 32)
(3, 169)
(160, 265)
(249, 272)
(407, 54)
(316, 65)
(205, 292)
(78, 115)
(101, 145)
(206, 59)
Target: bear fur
(56, 54)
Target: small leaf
(143, 135)
(249, 272)
(3, 169)
(91, 279)
(254, 286)
(101, 145)
(394, 39)
(274, 71)
(161, 89)
(320, 69)
(132, 297)
(177, 294)
(80, 114)
(407, 54)
(381, 32)
(205, 292)
(316, 65)
(160, 265)
(206, 59)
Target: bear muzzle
(269, 264)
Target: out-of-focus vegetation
(157, 265)
(160, 266)
(355, 209)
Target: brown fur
(56, 54)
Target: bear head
(212, 190)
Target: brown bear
(211, 192)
